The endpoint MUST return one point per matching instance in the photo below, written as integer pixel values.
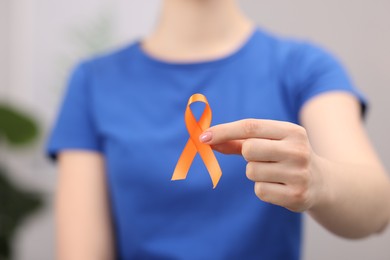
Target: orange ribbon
(195, 129)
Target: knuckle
(260, 193)
(302, 177)
(302, 156)
(295, 208)
(299, 132)
(250, 171)
(250, 127)
(299, 153)
(300, 197)
(246, 149)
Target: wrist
(323, 194)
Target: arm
(356, 201)
(336, 176)
(82, 208)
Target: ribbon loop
(193, 146)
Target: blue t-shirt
(130, 107)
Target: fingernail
(205, 137)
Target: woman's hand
(342, 185)
(280, 160)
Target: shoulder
(290, 51)
(299, 63)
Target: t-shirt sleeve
(74, 127)
(316, 71)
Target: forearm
(83, 222)
(354, 200)
(79, 235)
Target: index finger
(244, 129)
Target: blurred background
(41, 40)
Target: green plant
(16, 204)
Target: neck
(198, 29)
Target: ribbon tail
(184, 163)
(211, 163)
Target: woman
(285, 107)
